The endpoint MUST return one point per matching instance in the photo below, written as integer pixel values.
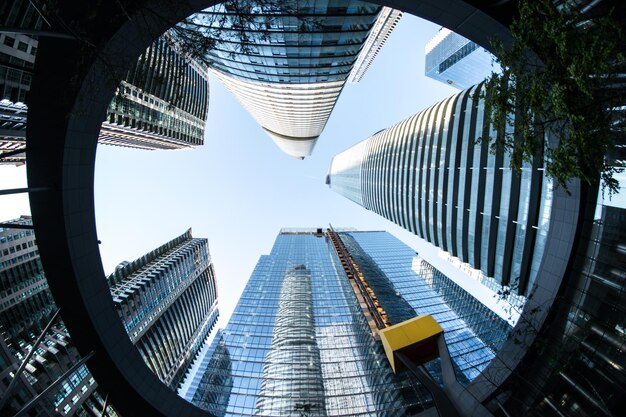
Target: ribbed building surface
(287, 65)
(430, 175)
(167, 300)
(26, 306)
(457, 61)
(384, 25)
(294, 352)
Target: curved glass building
(299, 344)
(294, 353)
(433, 176)
(287, 64)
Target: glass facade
(303, 42)
(161, 104)
(299, 340)
(433, 176)
(167, 300)
(407, 286)
(287, 64)
(298, 344)
(17, 59)
(456, 61)
(294, 352)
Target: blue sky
(239, 189)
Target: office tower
(162, 103)
(301, 339)
(430, 175)
(26, 306)
(288, 64)
(167, 300)
(456, 61)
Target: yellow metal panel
(408, 333)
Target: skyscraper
(288, 64)
(301, 339)
(457, 61)
(167, 300)
(162, 103)
(430, 175)
(26, 306)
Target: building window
(9, 41)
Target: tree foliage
(236, 26)
(562, 88)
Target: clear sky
(239, 189)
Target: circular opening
(69, 215)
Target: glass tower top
(457, 61)
(287, 62)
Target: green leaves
(558, 90)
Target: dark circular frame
(73, 83)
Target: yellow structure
(416, 338)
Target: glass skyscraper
(457, 61)
(162, 102)
(431, 175)
(288, 64)
(408, 286)
(167, 300)
(581, 368)
(299, 342)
